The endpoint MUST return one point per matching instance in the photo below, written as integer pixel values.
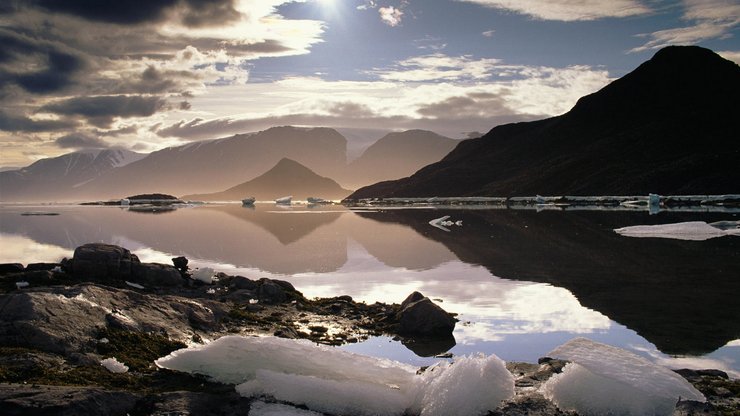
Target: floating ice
(204, 274)
(21, 284)
(335, 381)
(693, 230)
(606, 380)
(113, 365)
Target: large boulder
(421, 317)
(155, 274)
(9, 268)
(97, 261)
(22, 400)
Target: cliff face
(669, 127)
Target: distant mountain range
(397, 155)
(59, 176)
(669, 127)
(286, 178)
(212, 166)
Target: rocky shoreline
(58, 321)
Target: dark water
(523, 282)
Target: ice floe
(692, 230)
(335, 381)
(113, 365)
(606, 380)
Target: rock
(24, 400)
(285, 285)
(154, 274)
(286, 332)
(35, 278)
(414, 297)
(180, 263)
(688, 373)
(197, 403)
(429, 347)
(530, 405)
(241, 282)
(102, 262)
(32, 267)
(692, 408)
(423, 318)
(241, 295)
(66, 320)
(8, 268)
(270, 292)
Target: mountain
(397, 155)
(58, 177)
(668, 127)
(287, 177)
(217, 164)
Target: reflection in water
(560, 262)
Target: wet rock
(154, 274)
(196, 403)
(286, 332)
(424, 318)
(102, 262)
(8, 268)
(691, 408)
(687, 373)
(24, 400)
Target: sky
(144, 75)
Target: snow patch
(260, 408)
(606, 380)
(692, 230)
(134, 285)
(335, 381)
(113, 365)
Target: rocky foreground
(59, 321)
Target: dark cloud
(80, 141)
(193, 13)
(100, 111)
(24, 124)
(56, 68)
(470, 105)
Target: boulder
(423, 318)
(241, 282)
(180, 263)
(414, 297)
(154, 274)
(8, 268)
(270, 292)
(23, 400)
(102, 262)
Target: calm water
(522, 282)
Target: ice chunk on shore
(692, 230)
(469, 386)
(204, 274)
(113, 365)
(335, 381)
(606, 380)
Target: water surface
(522, 282)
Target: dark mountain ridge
(670, 127)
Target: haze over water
(522, 282)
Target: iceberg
(606, 380)
(330, 380)
(692, 230)
(286, 200)
(204, 274)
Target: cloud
(568, 10)
(391, 15)
(488, 33)
(193, 13)
(102, 110)
(80, 141)
(438, 66)
(733, 56)
(712, 19)
(25, 124)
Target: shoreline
(55, 332)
